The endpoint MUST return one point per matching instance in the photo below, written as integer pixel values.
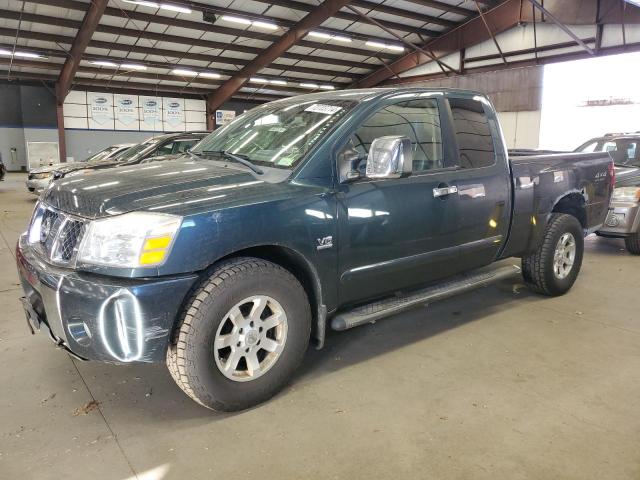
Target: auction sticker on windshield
(320, 108)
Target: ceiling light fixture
(254, 23)
(327, 87)
(209, 75)
(143, 3)
(229, 18)
(133, 66)
(384, 46)
(165, 6)
(258, 80)
(326, 36)
(181, 71)
(277, 82)
(309, 85)
(319, 35)
(21, 54)
(175, 8)
(265, 25)
(104, 63)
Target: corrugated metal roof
(164, 38)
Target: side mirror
(390, 157)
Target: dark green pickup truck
(327, 210)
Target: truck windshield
(276, 135)
(100, 155)
(134, 151)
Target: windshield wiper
(194, 155)
(237, 158)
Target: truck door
(389, 227)
(483, 180)
(400, 233)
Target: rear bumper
(101, 318)
(622, 220)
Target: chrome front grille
(69, 239)
(56, 235)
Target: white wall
(13, 138)
(521, 129)
(114, 112)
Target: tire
(632, 243)
(214, 314)
(540, 270)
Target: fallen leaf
(86, 408)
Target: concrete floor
(498, 383)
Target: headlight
(40, 176)
(626, 194)
(137, 239)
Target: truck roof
(360, 94)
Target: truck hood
(61, 167)
(171, 187)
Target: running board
(390, 306)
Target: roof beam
(411, 45)
(161, 37)
(130, 88)
(399, 12)
(501, 18)
(178, 22)
(168, 65)
(121, 73)
(445, 7)
(83, 36)
(46, 20)
(320, 13)
(290, 23)
(564, 28)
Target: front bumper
(623, 219)
(101, 318)
(38, 185)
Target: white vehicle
(40, 178)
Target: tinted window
(181, 146)
(164, 149)
(472, 131)
(416, 119)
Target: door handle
(444, 191)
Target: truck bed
(541, 181)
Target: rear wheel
(553, 268)
(632, 243)
(243, 333)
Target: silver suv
(623, 219)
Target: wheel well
(299, 268)
(573, 204)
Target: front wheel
(553, 268)
(243, 333)
(632, 243)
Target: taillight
(612, 175)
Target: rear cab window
(473, 133)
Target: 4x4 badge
(324, 243)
